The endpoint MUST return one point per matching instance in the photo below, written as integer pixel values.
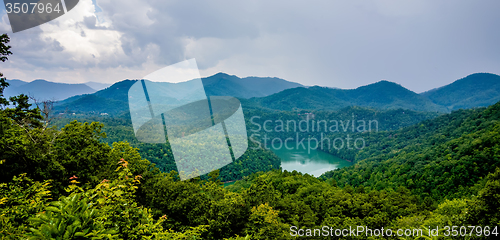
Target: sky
(421, 44)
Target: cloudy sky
(419, 44)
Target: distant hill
(15, 83)
(45, 90)
(98, 86)
(389, 95)
(380, 95)
(222, 84)
(475, 90)
(114, 99)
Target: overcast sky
(419, 44)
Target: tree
(264, 223)
(20, 199)
(484, 210)
(4, 52)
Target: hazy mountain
(45, 90)
(380, 95)
(222, 84)
(114, 99)
(98, 86)
(15, 83)
(475, 90)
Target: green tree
(485, 208)
(20, 199)
(264, 223)
(4, 53)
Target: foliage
(46, 153)
(19, 200)
(264, 222)
(441, 158)
(107, 211)
(120, 129)
(71, 218)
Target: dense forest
(420, 176)
(350, 122)
(442, 157)
(120, 129)
(258, 157)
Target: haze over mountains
(44, 90)
(475, 90)
(114, 100)
(222, 84)
(97, 85)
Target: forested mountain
(380, 95)
(222, 84)
(475, 90)
(44, 90)
(443, 157)
(120, 129)
(114, 99)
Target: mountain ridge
(381, 95)
(42, 90)
(114, 99)
(474, 90)
(222, 84)
(97, 85)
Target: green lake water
(314, 163)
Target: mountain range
(97, 85)
(222, 84)
(43, 90)
(114, 99)
(475, 90)
(380, 95)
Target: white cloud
(82, 44)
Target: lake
(314, 163)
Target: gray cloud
(419, 44)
